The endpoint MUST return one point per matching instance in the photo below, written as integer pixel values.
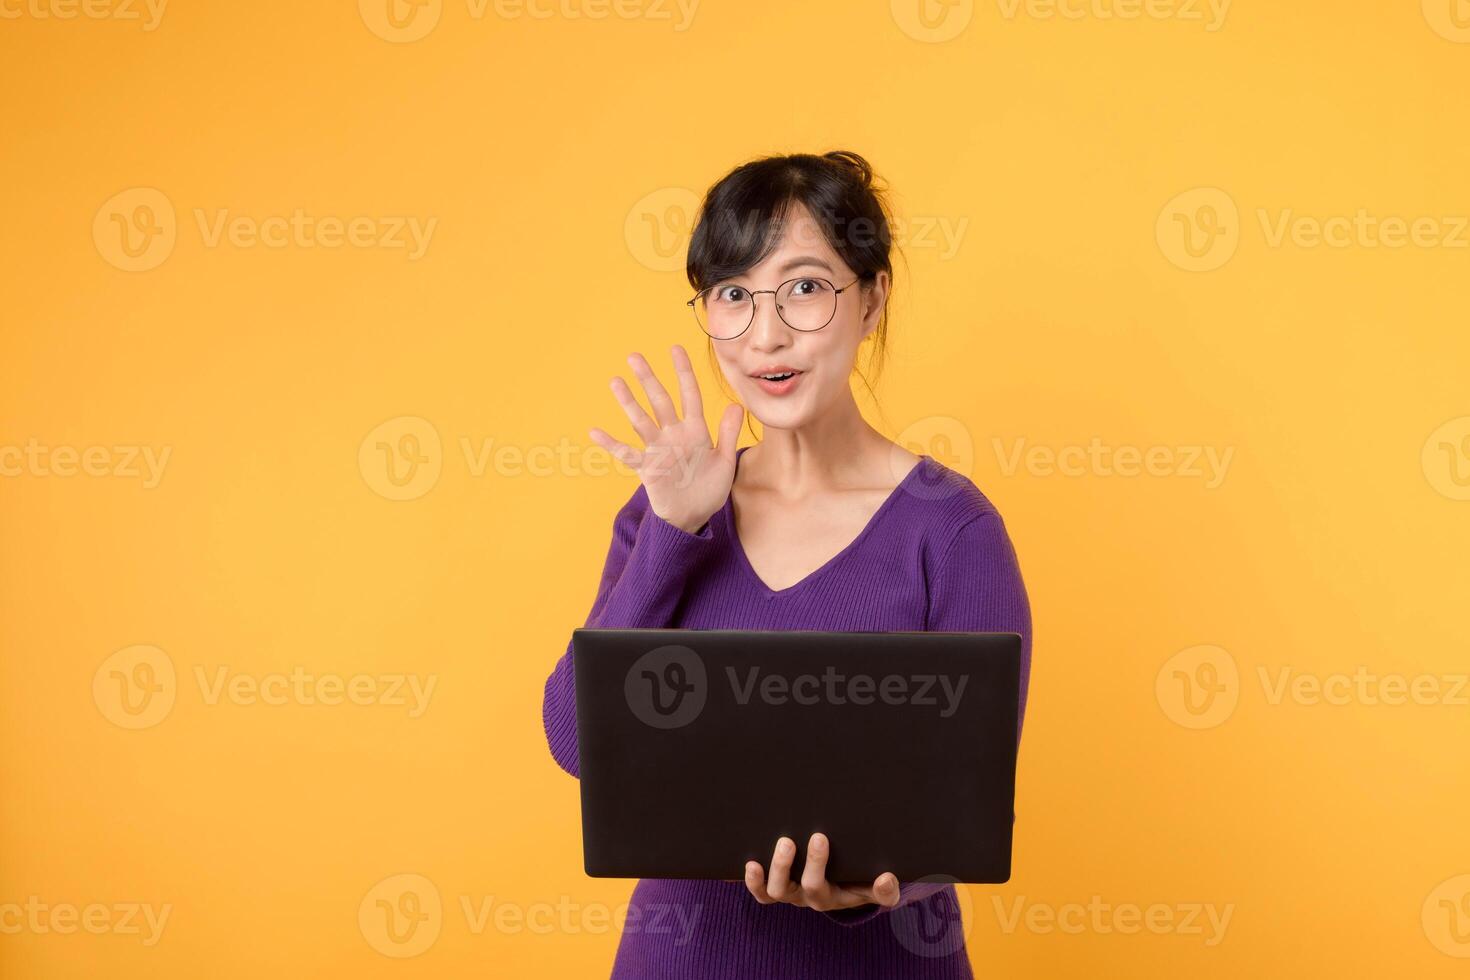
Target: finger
(779, 881)
(755, 882)
(690, 401)
(729, 431)
(814, 875)
(619, 450)
(658, 396)
(885, 889)
(646, 427)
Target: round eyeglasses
(807, 303)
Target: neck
(837, 450)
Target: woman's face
(822, 359)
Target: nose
(768, 331)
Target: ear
(874, 296)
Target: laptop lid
(699, 748)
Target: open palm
(686, 476)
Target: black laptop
(700, 748)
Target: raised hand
(687, 477)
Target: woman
(822, 525)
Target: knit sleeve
(643, 578)
(976, 588)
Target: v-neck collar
(729, 511)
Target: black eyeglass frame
(836, 291)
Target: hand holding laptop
(813, 890)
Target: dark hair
(740, 222)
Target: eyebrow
(802, 260)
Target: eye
(808, 287)
(728, 294)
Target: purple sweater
(935, 556)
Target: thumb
(885, 889)
(729, 431)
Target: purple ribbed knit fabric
(935, 556)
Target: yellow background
(548, 150)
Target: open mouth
(778, 382)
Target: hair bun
(854, 162)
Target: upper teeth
(778, 377)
